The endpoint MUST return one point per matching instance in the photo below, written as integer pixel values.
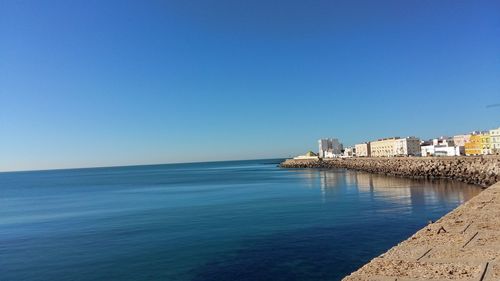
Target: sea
(217, 221)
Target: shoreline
(483, 171)
(462, 245)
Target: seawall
(483, 171)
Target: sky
(106, 83)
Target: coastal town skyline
(474, 143)
(92, 84)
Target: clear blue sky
(97, 83)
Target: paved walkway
(462, 245)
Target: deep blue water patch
(238, 220)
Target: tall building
(329, 148)
(495, 141)
(363, 149)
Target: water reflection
(399, 190)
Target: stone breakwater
(483, 171)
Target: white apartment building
(363, 149)
(349, 152)
(329, 148)
(495, 140)
(441, 147)
(427, 149)
(409, 146)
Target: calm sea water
(243, 220)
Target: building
(349, 151)
(495, 141)
(382, 147)
(474, 145)
(479, 144)
(427, 148)
(460, 140)
(441, 147)
(329, 148)
(363, 149)
(395, 146)
(485, 143)
(308, 156)
(409, 146)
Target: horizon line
(133, 165)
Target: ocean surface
(238, 220)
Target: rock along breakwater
(483, 171)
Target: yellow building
(485, 143)
(474, 146)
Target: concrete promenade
(462, 245)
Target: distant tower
(328, 148)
